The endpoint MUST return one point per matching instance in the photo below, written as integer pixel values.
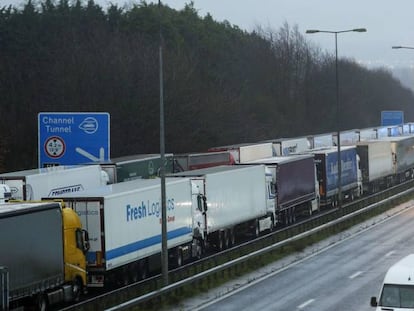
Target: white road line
(295, 263)
(389, 254)
(303, 305)
(353, 276)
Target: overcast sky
(388, 23)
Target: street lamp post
(339, 164)
(164, 245)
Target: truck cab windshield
(397, 296)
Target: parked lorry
(287, 146)
(238, 200)
(367, 134)
(295, 185)
(43, 248)
(140, 166)
(53, 181)
(320, 141)
(397, 290)
(194, 161)
(124, 225)
(376, 164)
(327, 172)
(247, 152)
(348, 137)
(402, 149)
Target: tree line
(222, 85)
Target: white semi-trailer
(53, 181)
(376, 163)
(238, 199)
(124, 225)
(287, 146)
(242, 153)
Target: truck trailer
(141, 166)
(53, 181)
(295, 185)
(247, 152)
(327, 173)
(287, 146)
(376, 164)
(194, 161)
(237, 200)
(43, 249)
(402, 149)
(124, 225)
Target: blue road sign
(72, 138)
(392, 118)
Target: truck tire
(41, 303)
(226, 237)
(143, 269)
(179, 257)
(77, 289)
(232, 237)
(256, 228)
(220, 241)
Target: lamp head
(359, 30)
(312, 31)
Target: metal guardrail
(167, 289)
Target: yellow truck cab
(49, 243)
(75, 247)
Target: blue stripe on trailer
(133, 247)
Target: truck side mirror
(205, 203)
(374, 302)
(86, 244)
(202, 203)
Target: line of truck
(116, 216)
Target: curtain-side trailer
(42, 245)
(327, 171)
(295, 183)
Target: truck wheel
(143, 269)
(232, 237)
(220, 243)
(41, 302)
(179, 257)
(272, 224)
(256, 228)
(226, 238)
(77, 289)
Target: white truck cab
(397, 291)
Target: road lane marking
(353, 276)
(389, 254)
(299, 261)
(303, 305)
